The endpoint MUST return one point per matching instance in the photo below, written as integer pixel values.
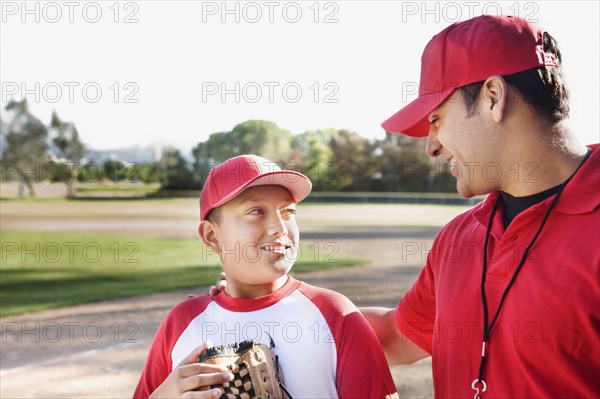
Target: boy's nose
(277, 227)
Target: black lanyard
(479, 385)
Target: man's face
(258, 236)
(466, 142)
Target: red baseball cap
(227, 180)
(467, 52)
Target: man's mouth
(453, 166)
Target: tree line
(334, 159)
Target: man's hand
(190, 375)
(219, 285)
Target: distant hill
(134, 154)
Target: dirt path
(98, 350)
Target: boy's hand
(219, 285)
(190, 375)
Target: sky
(173, 72)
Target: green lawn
(49, 270)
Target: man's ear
(208, 233)
(495, 95)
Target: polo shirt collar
(582, 194)
(484, 209)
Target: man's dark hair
(544, 88)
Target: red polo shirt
(546, 341)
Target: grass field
(57, 252)
(49, 270)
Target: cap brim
(412, 119)
(296, 183)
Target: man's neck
(539, 170)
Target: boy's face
(257, 239)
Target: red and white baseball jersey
(325, 346)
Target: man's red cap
(468, 52)
(227, 180)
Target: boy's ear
(206, 230)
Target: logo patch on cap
(550, 60)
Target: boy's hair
(229, 179)
(214, 215)
(544, 88)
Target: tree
(147, 173)
(312, 151)
(70, 150)
(174, 173)
(210, 153)
(257, 137)
(26, 144)
(262, 138)
(402, 164)
(114, 170)
(354, 165)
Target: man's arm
(397, 348)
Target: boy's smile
(276, 248)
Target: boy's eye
(290, 211)
(434, 121)
(256, 211)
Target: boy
(326, 348)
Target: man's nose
(433, 146)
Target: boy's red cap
(468, 52)
(229, 179)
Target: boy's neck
(237, 289)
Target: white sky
(366, 59)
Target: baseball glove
(255, 369)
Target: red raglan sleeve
(362, 370)
(158, 364)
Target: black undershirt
(512, 206)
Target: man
(508, 302)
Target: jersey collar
(253, 304)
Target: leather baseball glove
(255, 369)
